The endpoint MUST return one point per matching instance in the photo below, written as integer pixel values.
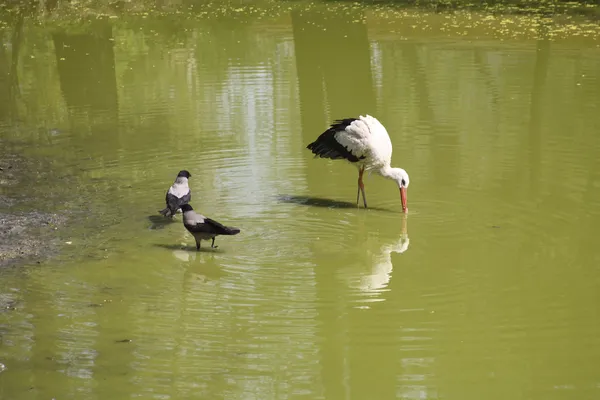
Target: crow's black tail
(230, 230)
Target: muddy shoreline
(27, 234)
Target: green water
(487, 290)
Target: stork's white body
(367, 137)
(363, 141)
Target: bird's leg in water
(361, 187)
(197, 245)
(213, 244)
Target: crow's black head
(186, 207)
(184, 174)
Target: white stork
(364, 142)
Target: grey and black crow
(203, 228)
(178, 194)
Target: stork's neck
(386, 171)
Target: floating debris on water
(524, 20)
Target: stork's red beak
(403, 198)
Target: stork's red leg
(361, 187)
(358, 189)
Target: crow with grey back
(203, 228)
(178, 194)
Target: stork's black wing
(326, 145)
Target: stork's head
(401, 177)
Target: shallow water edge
(29, 232)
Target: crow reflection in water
(159, 222)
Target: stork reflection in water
(375, 283)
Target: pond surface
(487, 290)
